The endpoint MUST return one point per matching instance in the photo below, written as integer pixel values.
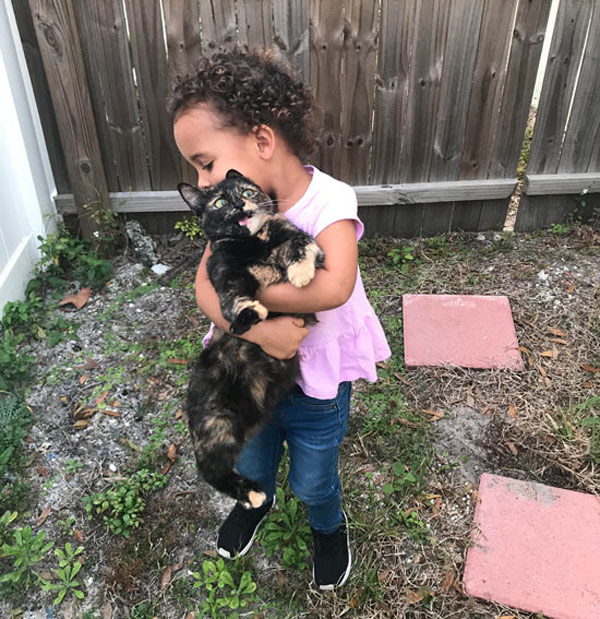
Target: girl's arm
(279, 337)
(331, 286)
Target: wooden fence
(425, 102)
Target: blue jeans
(313, 430)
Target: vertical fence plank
(58, 38)
(106, 53)
(254, 22)
(359, 68)
(486, 91)
(291, 31)
(559, 81)
(41, 91)
(583, 130)
(526, 49)
(429, 37)
(326, 42)
(150, 61)
(184, 46)
(219, 26)
(459, 62)
(394, 57)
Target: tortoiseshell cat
(234, 385)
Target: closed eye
(208, 166)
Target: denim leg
(259, 459)
(315, 429)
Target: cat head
(235, 207)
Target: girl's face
(213, 150)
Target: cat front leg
(301, 272)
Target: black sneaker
(239, 529)
(332, 559)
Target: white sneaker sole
(227, 555)
(344, 578)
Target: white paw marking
(256, 498)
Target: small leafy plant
(190, 227)
(68, 569)
(222, 592)
(286, 530)
(403, 480)
(403, 256)
(120, 506)
(27, 551)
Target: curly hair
(248, 89)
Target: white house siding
(26, 185)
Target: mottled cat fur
(234, 385)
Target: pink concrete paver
(537, 548)
(467, 331)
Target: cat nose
(239, 204)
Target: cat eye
(221, 202)
(248, 193)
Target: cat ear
(233, 174)
(195, 198)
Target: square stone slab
(466, 331)
(536, 548)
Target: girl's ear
(195, 198)
(265, 140)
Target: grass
(409, 518)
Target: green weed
(67, 571)
(27, 550)
(224, 596)
(190, 226)
(120, 506)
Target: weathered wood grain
(326, 43)
(58, 39)
(219, 27)
(254, 23)
(525, 51)
(291, 32)
(101, 24)
(583, 129)
(358, 57)
(35, 66)
(150, 62)
(391, 88)
(566, 48)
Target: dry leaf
(413, 597)
(282, 579)
(102, 397)
(557, 332)
(587, 384)
(78, 300)
(507, 617)
(41, 470)
(512, 411)
(571, 288)
(383, 575)
(89, 364)
(83, 379)
(435, 415)
(82, 423)
(547, 353)
(165, 469)
(210, 553)
(45, 513)
(589, 368)
(558, 340)
(178, 414)
(78, 535)
(448, 581)
(513, 449)
(172, 452)
(165, 579)
(177, 361)
(111, 413)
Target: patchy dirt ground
(110, 400)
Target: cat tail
(217, 446)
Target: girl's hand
(279, 337)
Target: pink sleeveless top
(347, 341)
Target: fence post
(58, 39)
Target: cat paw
(300, 273)
(255, 499)
(252, 314)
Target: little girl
(247, 112)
